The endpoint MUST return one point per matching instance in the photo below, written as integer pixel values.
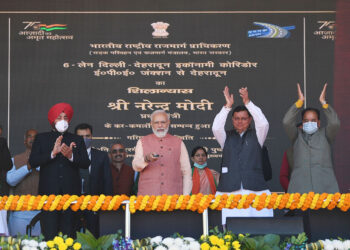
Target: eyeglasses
(121, 150)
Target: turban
(57, 109)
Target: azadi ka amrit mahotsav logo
(52, 27)
(270, 31)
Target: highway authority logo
(270, 31)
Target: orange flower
(118, 202)
(206, 203)
(25, 202)
(249, 200)
(320, 200)
(138, 202)
(120, 199)
(295, 201)
(62, 201)
(334, 201)
(161, 203)
(235, 201)
(195, 204)
(185, 201)
(3, 202)
(346, 204)
(77, 205)
(272, 200)
(14, 202)
(261, 203)
(106, 202)
(173, 202)
(149, 203)
(36, 202)
(49, 201)
(308, 201)
(222, 203)
(92, 202)
(283, 201)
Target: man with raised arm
(241, 170)
(312, 153)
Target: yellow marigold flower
(77, 246)
(214, 239)
(62, 246)
(236, 245)
(53, 248)
(205, 246)
(224, 247)
(214, 248)
(69, 242)
(241, 236)
(221, 242)
(58, 240)
(228, 237)
(50, 244)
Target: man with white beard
(162, 160)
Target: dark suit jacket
(100, 177)
(58, 175)
(5, 165)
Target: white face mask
(310, 127)
(61, 126)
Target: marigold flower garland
(49, 201)
(197, 202)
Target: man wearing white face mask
(162, 160)
(312, 153)
(59, 154)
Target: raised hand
(228, 97)
(243, 92)
(323, 94)
(67, 151)
(57, 147)
(300, 94)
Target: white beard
(160, 133)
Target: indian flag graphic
(53, 27)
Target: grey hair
(160, 111)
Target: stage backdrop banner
(115, 68)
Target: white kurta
(3, 223)
(261, 128)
